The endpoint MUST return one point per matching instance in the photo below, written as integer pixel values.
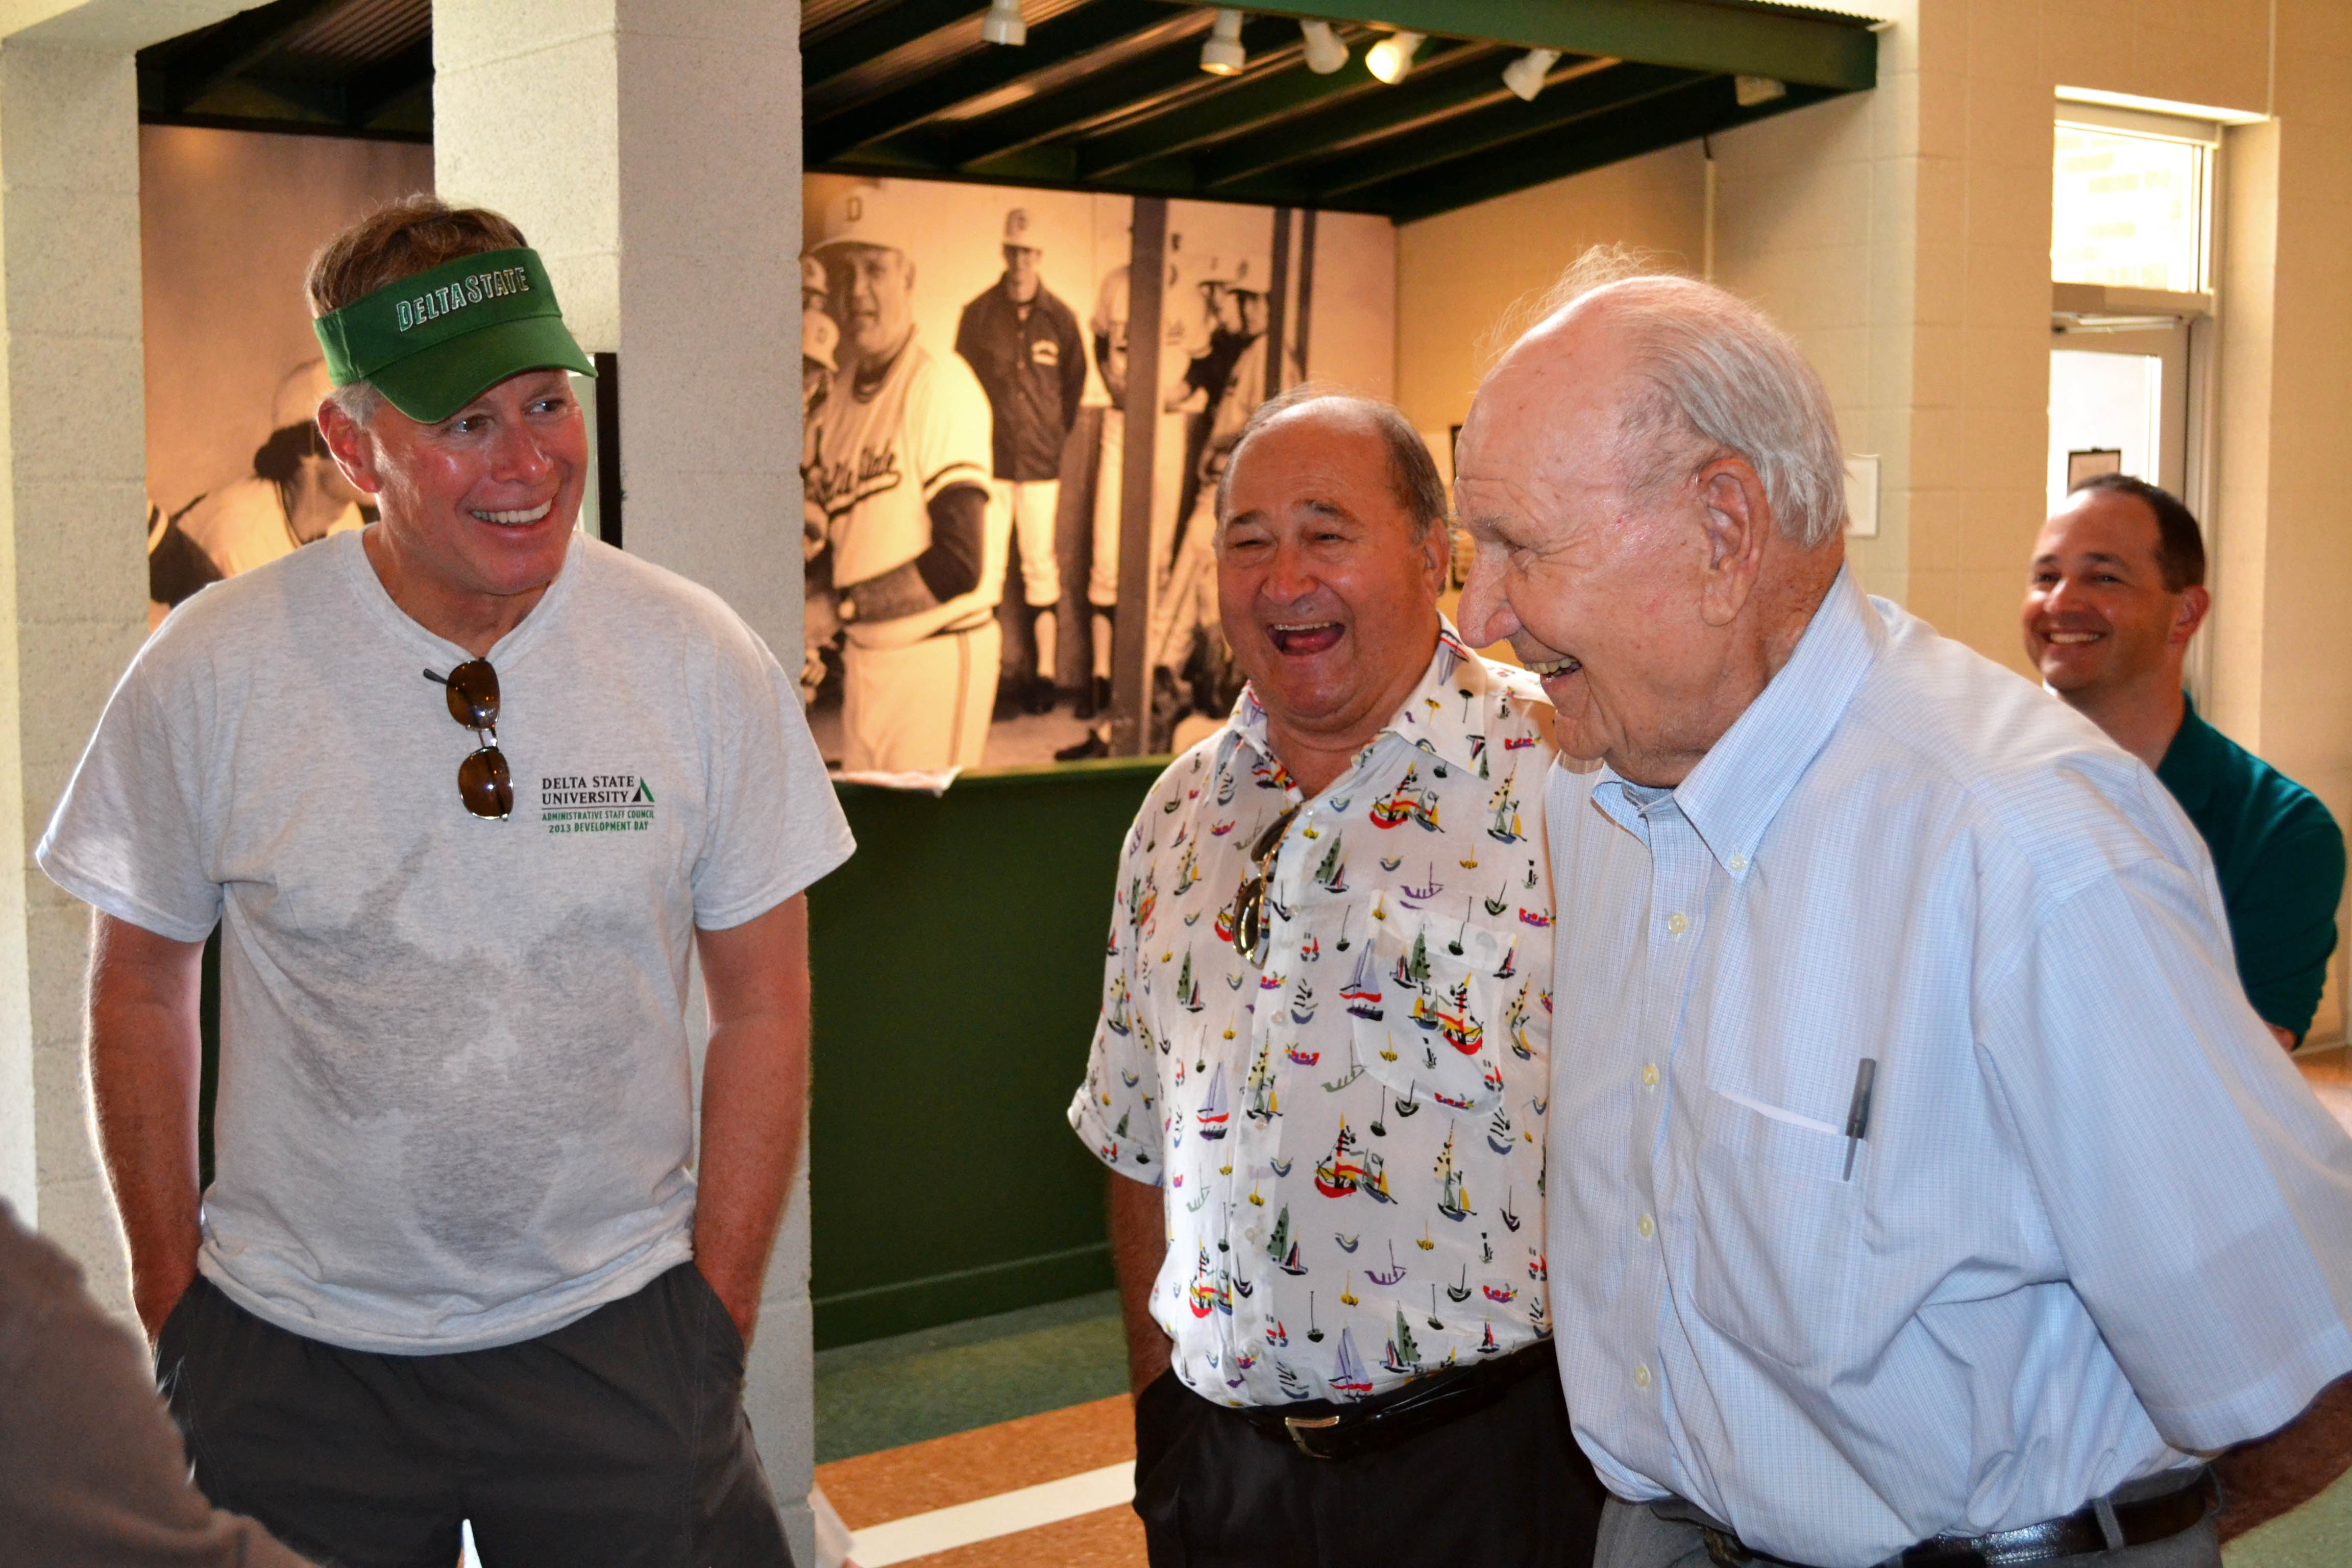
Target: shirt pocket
(1429, 1021)
(1777, 1230)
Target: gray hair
(1721, 380)
(1413, 472)
(359, 401)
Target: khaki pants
(1032, 503)
(923, 706)
(1110, 480)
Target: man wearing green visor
(461, 1257)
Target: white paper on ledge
(928, 781)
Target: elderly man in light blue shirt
(1922, 1187)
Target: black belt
(974, 622)
(2134, 1523)
(1321, 1429)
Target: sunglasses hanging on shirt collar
(484, 783)
(1251, 927)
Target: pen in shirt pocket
(1857, 1112)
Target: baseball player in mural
(897, 462)
(1110, 325)
(1023, 345)
(295, 496)
(820, 340)
(1222, 384)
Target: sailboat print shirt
(1350, 1138)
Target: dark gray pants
(618, 1439)
(1634, 1536)
(1505, 1487)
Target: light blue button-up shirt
(2095, 1221)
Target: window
(2131, 347)
(2131, 265)
(2128, 209)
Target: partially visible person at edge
(1922, 1187)
(1319, 1073)
(465, 1254)
(95, 1472)
(2116, 593)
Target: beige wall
(1459, 273)
(1903, 237)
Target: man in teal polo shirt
(2117, 591)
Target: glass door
(2119, 403)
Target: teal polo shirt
(2280, 859)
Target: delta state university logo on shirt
(595, 803)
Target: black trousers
(1503, 1486)
(618, 1439)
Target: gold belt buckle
(1299, 1425)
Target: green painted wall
(957, 961)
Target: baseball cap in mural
(436, 340)
(880, 214)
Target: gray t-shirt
(456, 1108)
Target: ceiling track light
(1325, 52)
(1002, 25)
(1393, 56)
(1221, 52)
(1525, 75)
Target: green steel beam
(903, 155)
(1258, 100)
(1488, 130)
(1714, 35)
(386, 85)
(874, 31)
(1703, 107)
(971, 76)
(1444, 85)
(1126, 86)
(1027, 166)
(190, 69)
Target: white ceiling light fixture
(1393, 56)
(1325, 52)
(1002, 25)
(1751, 90)
(1525, 75)
(1222, 53)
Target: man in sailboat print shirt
(1346, 1125)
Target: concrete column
(73, 577)
(651, 150)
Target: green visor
(436, 341)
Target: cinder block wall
(73, 580)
